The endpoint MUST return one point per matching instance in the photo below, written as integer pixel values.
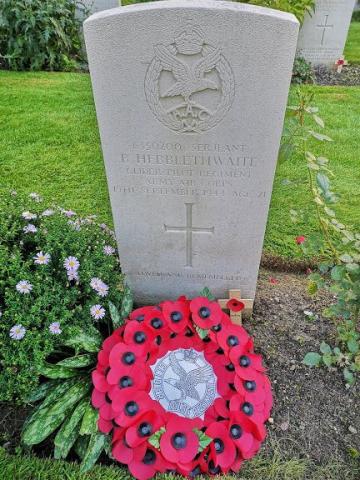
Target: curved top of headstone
(197, 4)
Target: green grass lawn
(49, 144)
(262, 467)
(352, 48)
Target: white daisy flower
(71, 263)
(42, 258)
(35, 196)
(48, 212)
(28, 215)
(103, 289)
(97, 312)
(55, 329)
(109, 250)
(30, 228)
(24, 287)
(17, 332)
(72, 274)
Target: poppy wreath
(150, 438)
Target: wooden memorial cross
(236, 317)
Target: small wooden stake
(236, 317)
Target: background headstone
(190, 99)
(94, 6)
(323, 35)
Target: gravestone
(190, 99)
(323, 35)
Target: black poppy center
(219, 445)
(128, 358)
(139, 337)
(131, 408)
(176, 317)
(220, 351)
(247, 408)
(140, 318)
(244, 361)
(156, 323)
(125, 382)
(204, 312)
(230, 367)
(212, 469)
(178, 441)
(107, 398)
(145, 429)
(235, 431)
(149, 457)
(216, 328)
(232, 341)
(250, 385)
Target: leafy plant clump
(58, 272)
(302, 72)
(64, 397)
(335, 244)
(298, 7)
(37, 35)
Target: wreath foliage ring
(150, 439)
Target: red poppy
(105, 426)
(249, 413)
(225, 377)
(214, 354)
(133, 376)
(99, 378)
(273, 280)
(222, 448)
(176, 315)
(205, 313)
(143, 428)
(130, 404)
(146, 464)
(121, 451)
(126, 356)
(102, 401)
(231, 337)
(240, 431)
(300, 239)
(179, 443)
(247, 365)
(139, 334)
(140, 313)
(235, 305)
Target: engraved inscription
(184, 383)
(324, 26)
(188, 229)
(180, 77)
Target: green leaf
(201, 332)
(286, 151)
(323, 182)
(312, 287)
(337, 272)
(312, 359)
(81, 446)
(56, 371)
(69, 431)
(352, 268)
(346, 258)
(349, 377)
(329, 212)
(89, 422)
(79, 361)
(90, 341)
(115, 316)
(205, 292)
(127, 303)
(51, 418)
(349, 235)
(319, 121)
(154, 440)
(353, 345)
(41, 391)
(96, 446)
(320, 136)
(204, 440)
(327, 359)
(322, 161)
(325, 348)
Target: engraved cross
(324, 27)
(189, 229)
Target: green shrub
(297, 7)
(55, 301)
(302, 72)
(38, 34)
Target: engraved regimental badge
(184, 383)
(189, 84)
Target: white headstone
(323, 35)
(94, 6)
(190, 99)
